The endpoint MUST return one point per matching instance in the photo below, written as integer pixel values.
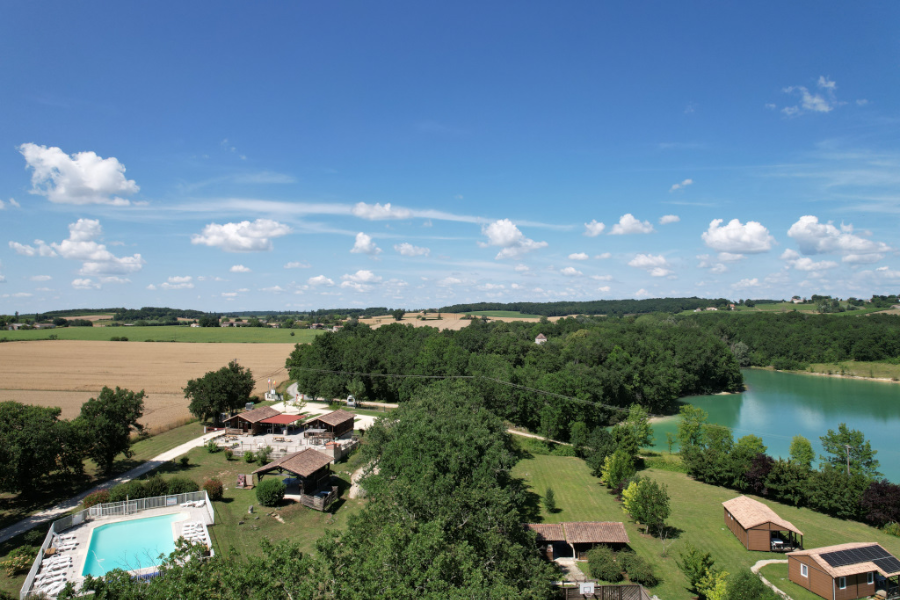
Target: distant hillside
(592, 307)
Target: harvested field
(66, 373)
(452, 321)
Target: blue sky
(227, 156)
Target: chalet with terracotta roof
(311, 477)
(251, 421)
(577, 537)
(846, 571)
(337, 423)
(759, 528)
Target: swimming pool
(130, 545)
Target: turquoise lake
(777, 406)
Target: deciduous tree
(862, 457)
(107, 423)
(221, 391)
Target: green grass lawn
(696, 514)
(173, 333)
(778, 576)
(503, 313)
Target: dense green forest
(651, 360)
(150, 314)
(789, 340)
(593, 307)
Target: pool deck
(82, 536)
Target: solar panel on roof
(888, 564)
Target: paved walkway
(64, 507)
(762, 563)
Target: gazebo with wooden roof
(311, 475)
(338, 423)
(250, 421)
(580, 536)
(759, 528)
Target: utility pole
(847, 446)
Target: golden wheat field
(66, 373)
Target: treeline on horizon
(648, 361)
(592, 307)
(792, 340)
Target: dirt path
(356, 490)
(535, 436)
(762, 563)
(63, 507)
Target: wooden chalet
(759, 528)
(846, 571)
(337, 423)
(311, 477)
(249, 421)
(576, 538)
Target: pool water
(130, 545)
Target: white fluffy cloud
(85, 284)
(657, 265)
(40, 278)
(736, 238)
(362, 276)
(682, 185)
(297, 265)
(39, 248)
(666, 219)
(603, 288)
(571, 272)
(241, 237)
(602, 277)
(12, 202)
(178, 283)
(824, 238)
(376, 212)
(239, 269)
(449, 281)
(82, 246)
(822, 101)
(365, 245)
(319, 280)
(745, 284)
(807, 264)
(707, 262)
(579, 256)
(628, 224)
(82, 178)
(594, 228)
(407, 249)
(275, 289)
(506, 235)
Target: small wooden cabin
(251, 421)
(846, 571)
(579, 536)
(312, 476)
(338, 423)
(759, 528)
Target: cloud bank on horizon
(488, 177)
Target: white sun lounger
(55, 589)
(51, 579)
(62, 560)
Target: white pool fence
(129, 507)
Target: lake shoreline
(835, 375)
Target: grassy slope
(173, 333)
(696, 511)
(881, 370)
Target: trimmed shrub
(270, 492)
(602, 562)
(262, 455)
(214, 488)
(98, 497)
(182, 485)
(185, 461)
(212, 447)
(744, 585)
(249, 457)
(229, 454)
(130, 490)
(155, 485)
(34, 537)
(19, 560)
(638, 569)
